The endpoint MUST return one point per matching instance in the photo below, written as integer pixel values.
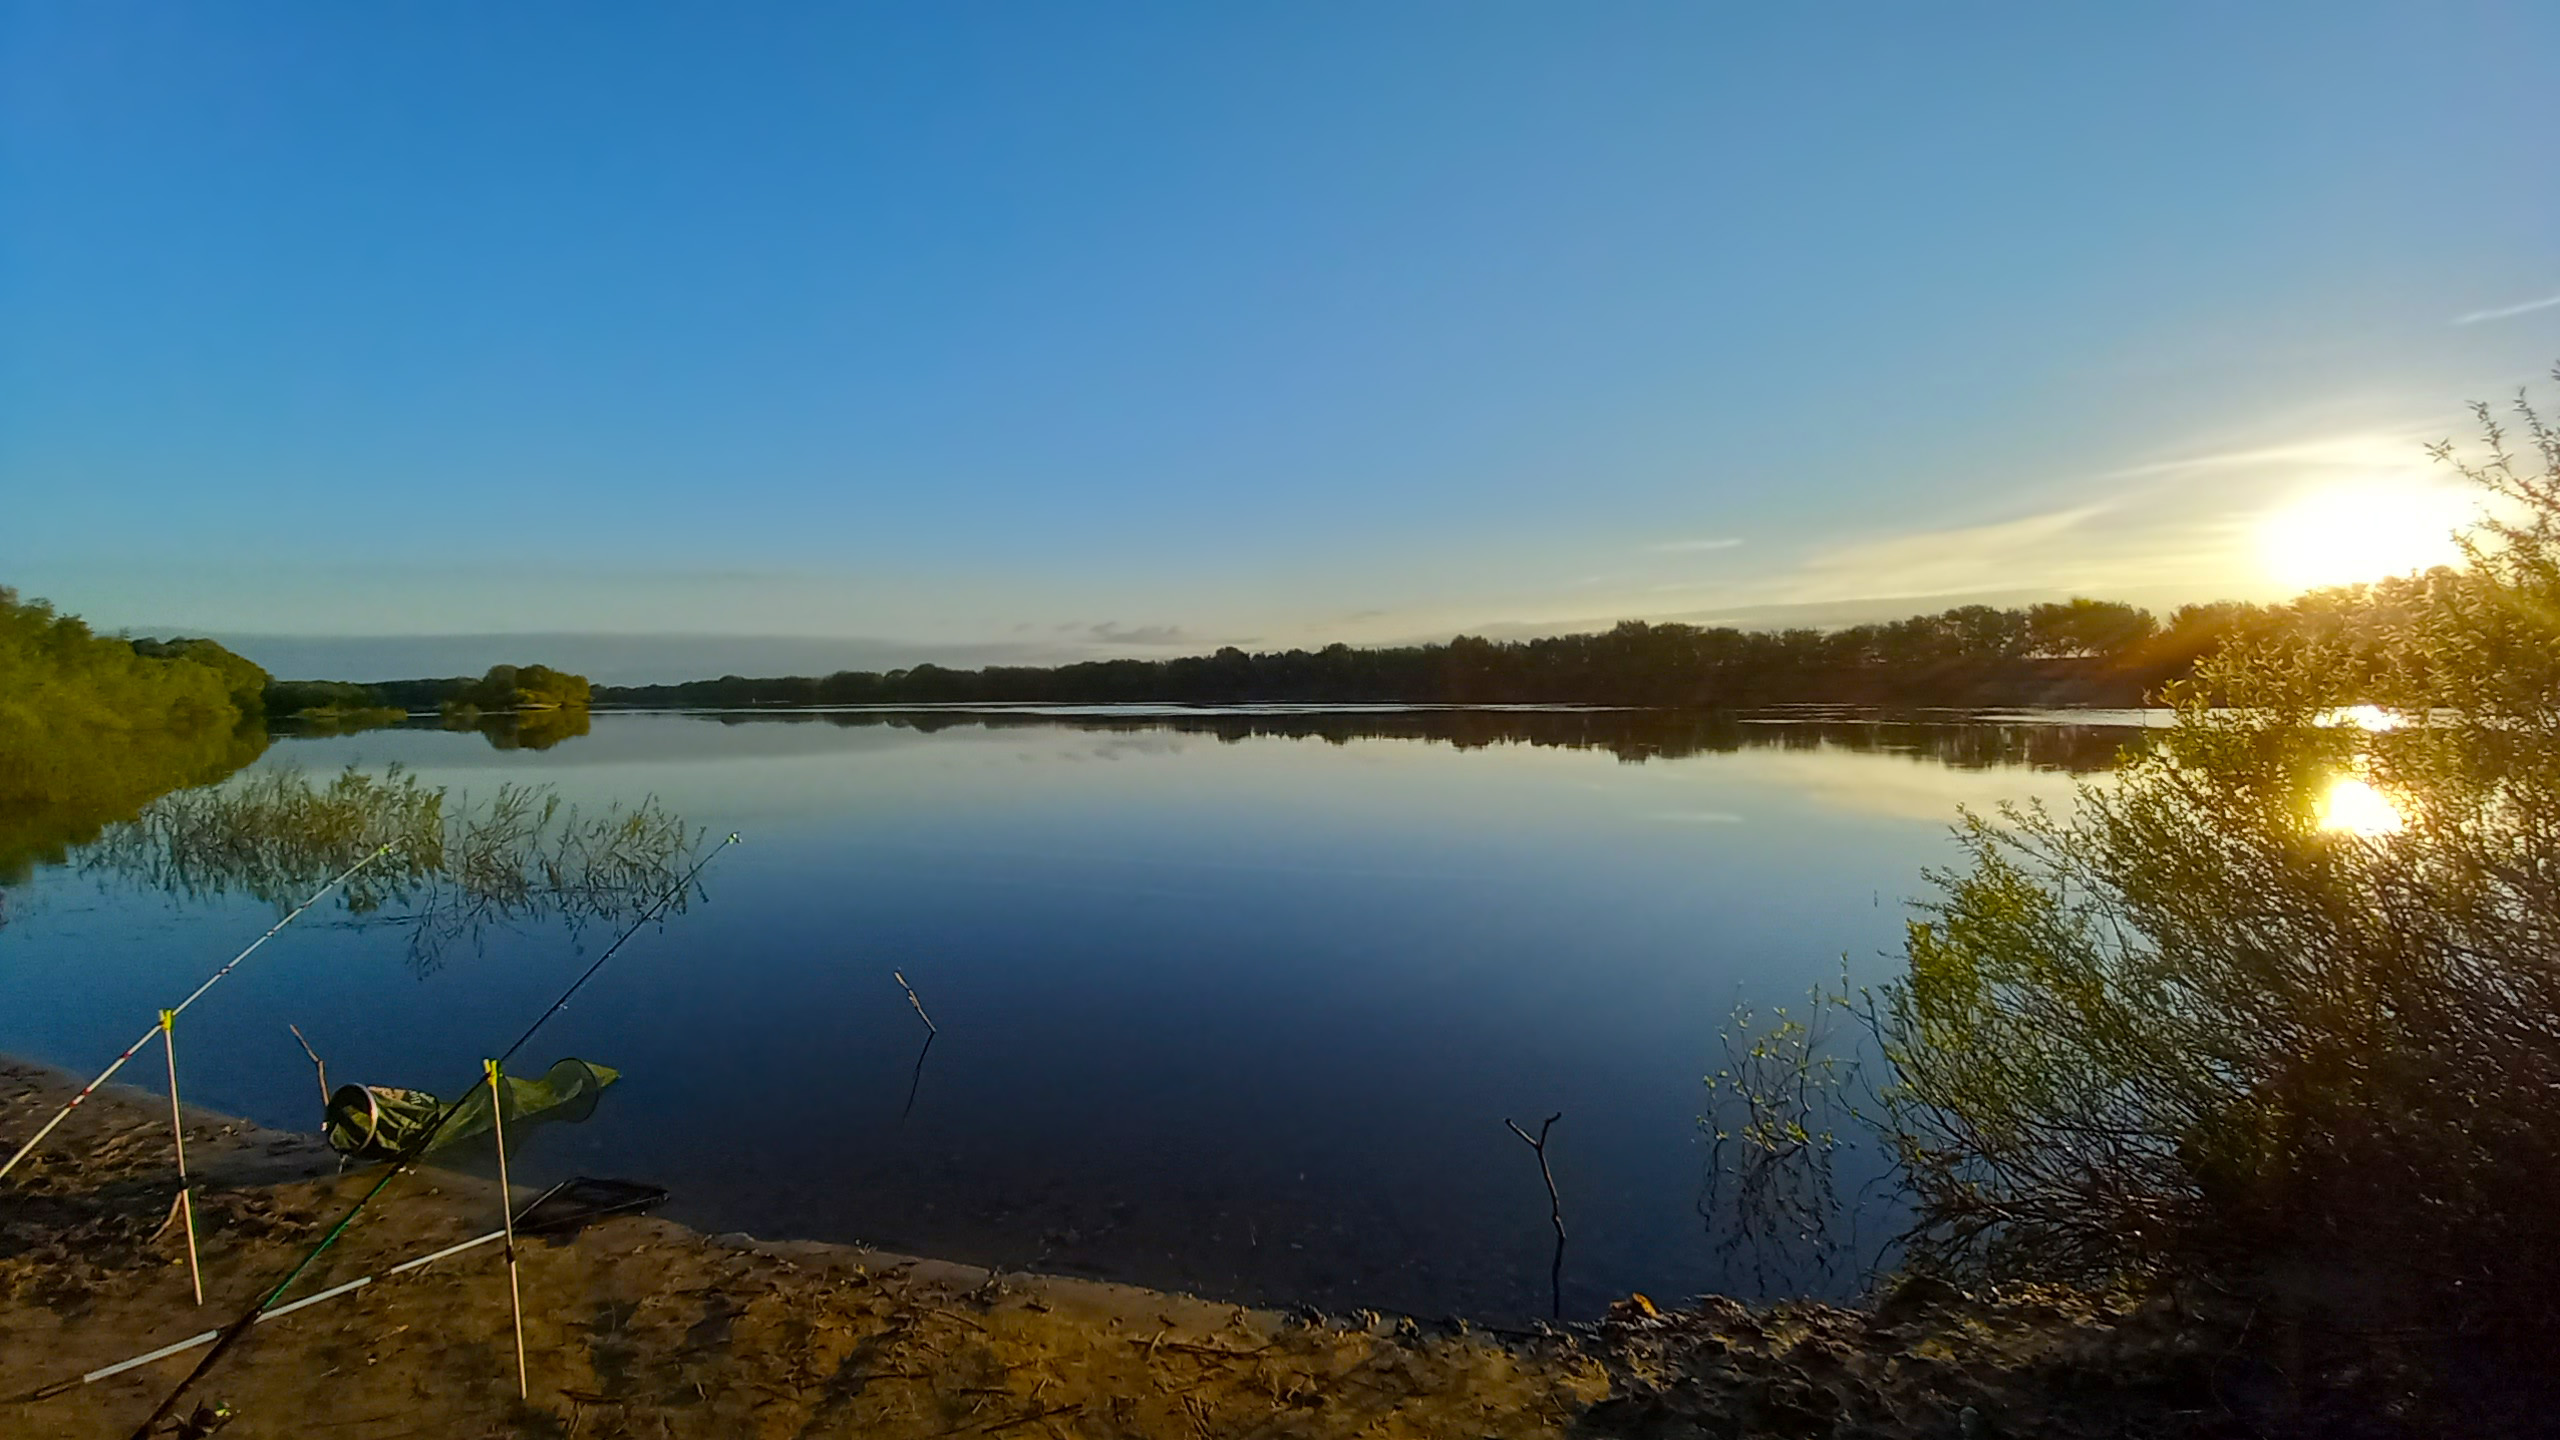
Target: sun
(2352, 807)
(2349, 534)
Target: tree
(245, 679)
(2085, 627)
(522, 687)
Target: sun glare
(2349, 534)
(2353, 807)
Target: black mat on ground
(572, 1205)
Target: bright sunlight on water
(2355, 807)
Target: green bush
(523, 687)
(2282, 998)
(244, 679)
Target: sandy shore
(643, 1328)
(638, 1326)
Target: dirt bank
(640, 1327)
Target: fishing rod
(232, 1333)
(160, 1026)
(103, 1372)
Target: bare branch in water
(1555, 1208)
(931, 1029)
(317, 1064)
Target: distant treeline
(322, 697)
(2083, 652)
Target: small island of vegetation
(516, 706)
(516, 690)
(520, 707)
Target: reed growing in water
(458, 866)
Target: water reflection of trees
(525, 730)
(528, 730)
(458, 866)
(1776, 1132)
(56, 795)
(1633, 736)
(60, 790)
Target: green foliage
(56, 675)
(92, 727)
(522, 687)
(2084, 627)
(244, 679)
(2190, 1028)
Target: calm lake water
(1234, 1003)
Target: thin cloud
(2400, 449)
(2192, 524)
(1691, 547)
(2507, 312)
(1957, 559)
(1111, 632)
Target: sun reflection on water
(2353, 807)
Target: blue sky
(1045, 329)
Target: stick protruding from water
(900, 977)
(1555, 1206)
(318, 1064)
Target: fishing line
(158, 1026)
(232, 1333)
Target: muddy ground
(638, 1327)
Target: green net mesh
(380, 1122)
